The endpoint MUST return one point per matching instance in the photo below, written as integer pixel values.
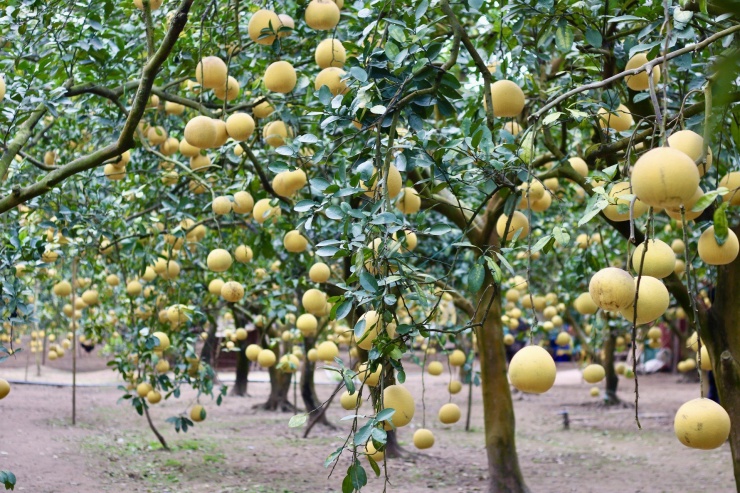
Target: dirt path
(238, 449)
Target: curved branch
(125, 139)
(643, 68)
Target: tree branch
(126, 137)
(648, 66)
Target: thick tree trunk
(498, 409)
(612, 380)
(311, 401)
(279, 391)
(721, 333)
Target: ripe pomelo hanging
(261, 20)
(322, 15)
(652, 302)
(423, 439)
(330, 53)
(532, 370)
(449, 413)
(399, 398)
(280, 77)
(240, 126)
(712, 253)
(519, 222)
(702, 423)
(594, 373)
(211, 72)
(319, 272)
(507, 97)
(200, 132)
(612, 289)
(219, 260)
(659, 260)
(664, 177)
(640, 82)
(620, 119)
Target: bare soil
(240, 449)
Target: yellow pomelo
(399, 398)
(678, 246)
(154, 397)
(532, 369)
(370, 378)
(4, 385)
(112, 280)
(457, 358)
(243, 202)
(563, 338)
(423, 439)
(513, 128)
(594, 373)
(307, 324)
(584, 304)
(665, 177)
(172, 108)
(519, 222)
(261, 20)
(211, 72)
(227, 91)
(240, 126)
(243, 254)
(232, 291)
(579, 165)
(691, 144)
(287, 22)
(200, 132)
(618, 190)
(319, 272)
(409, 202)
(330, 53)
(198, 413)
(266, 358)
(134, 288)
(322, 15)
(295, 242)
(263, 109)
(219, 260)
(659, 260)
(253, 351)
(706, 362)
(620, 120)
(331, 77)
(349, 401)
(264, 211)
(507, 97)
(371, 330)
(188, 150)
(702, 423)
(612, 289)
(640, 82)
(712, 253)
(62, 288)
(652, 302)
(435, 368)
(327, 351)
(275, 133)
(280, 77)
(731, 181)
(153, 5)
(314, 301)
(376, 455)
(143, 389)
(156, 135)
(449, 413)
(221, 206)
(689, 214)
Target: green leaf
(476, 276)
(551, 118)
(438, 229)
(298, 420)
(593, 37)
(385, 414)
(421, 9)
(495, 270)
(368, 282)
(705, 201)
(564, 37)
(363, 434)
(343, 310)
(721, 228)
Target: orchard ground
(240, 449)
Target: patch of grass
(214, 458)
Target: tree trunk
(242, 372)
(208, 353)
(721, 334)
(279, 390)
(242, 363)
(498, 409)
(308, 388)
(612, 380)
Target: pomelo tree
(334, 173)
